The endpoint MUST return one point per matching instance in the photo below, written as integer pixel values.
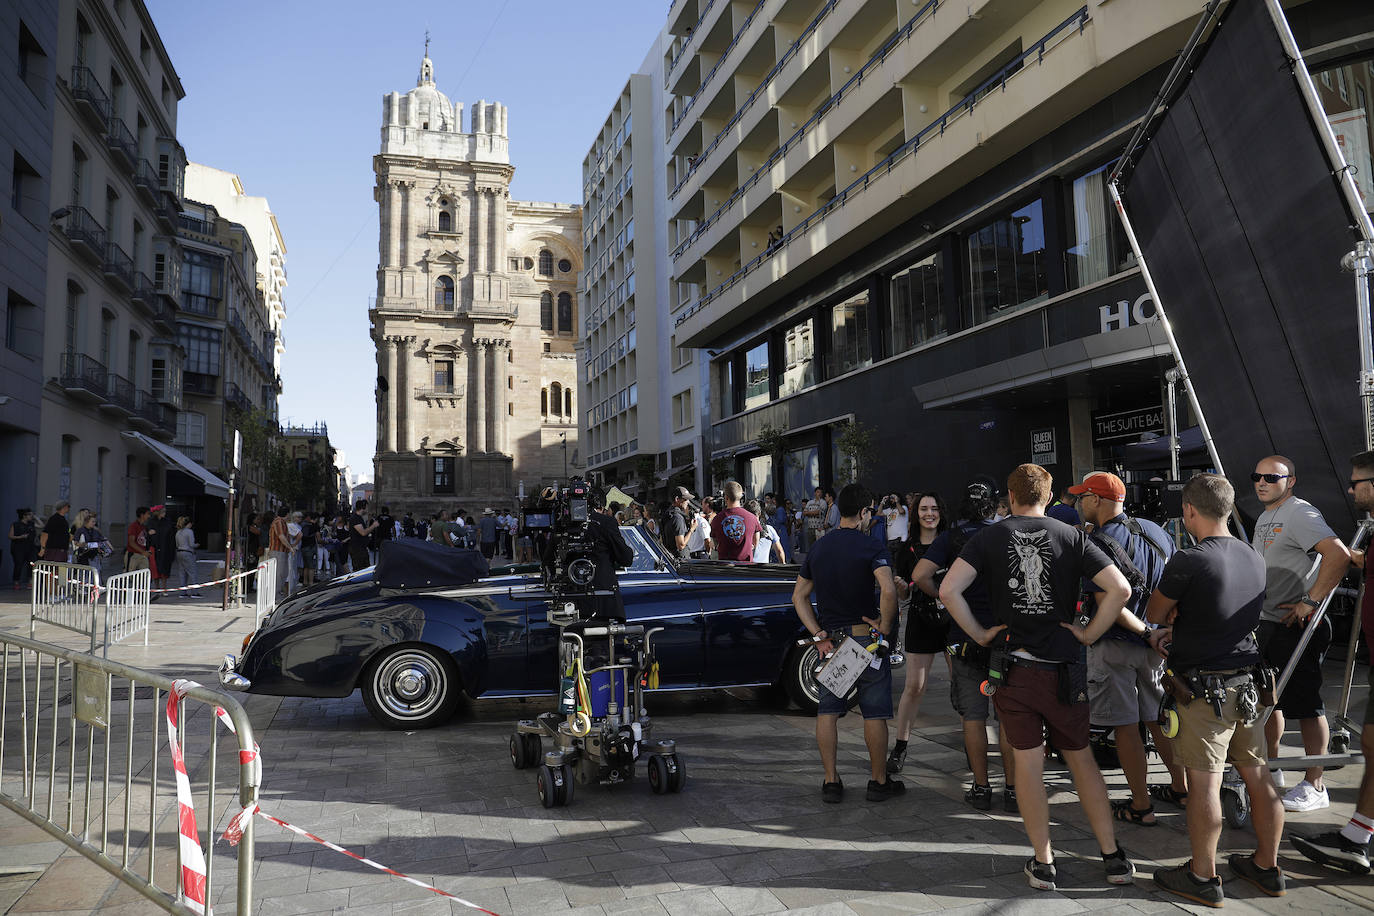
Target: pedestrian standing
(813, 514)
(1031, 567)
(89, 546)
(735, 530)
(359, 531)
(22, 534)
(846, 571)
(487, 528)
(56, 537)
(832, 513)
(310, 548)
(897, 524)
(161, 539)
(676, 528)
(1125, 668)
(136, 552)
(1211, 597)
(1348, 848)
(184, 566)
(295, 535)
(1289, 534)
(279, 550)
(927, 632)
(768, 549)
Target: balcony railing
(147, 409)
(724, 55)
(145, 179)
(316, 429)
(165, 313)
(86, 235)
(196, 224)
(234, 397)
(118, 267)
(686, 43)
(90, 95)
(440, 391)
(165, 426)
(199, 303)
(119, 394)
(198, 384)
(121, 141)
(143, 290)
(83, 376)
(169, 210)
(1035, 52)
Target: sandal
(1167, 793)
(1125, 810)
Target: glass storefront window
(849, 344)
(727, 387)
(798, 353)
(915, 316)
(756, 376)
(758, 478)
(802, 471)
(1006, 263)
(1096, 245)
(1345, 93)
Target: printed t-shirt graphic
(1029, 582)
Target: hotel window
(443, 294)
(756, 376)
(915, 315)
(1096, 246)
(850, 348)
(1006, 263)
(798, 358)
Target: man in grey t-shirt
(1289, 534)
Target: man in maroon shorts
(1031, 566)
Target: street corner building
(474, 314)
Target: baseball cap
(1103, 484)
(683, 493)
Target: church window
(567, 402)
(565, 316)
(564, 265)
(544, 402)
(529, 263)
(443, 294)
(556, 397)
(445, 221)
(546, 311)
(443, 475)
(443, 376)
(546, 263)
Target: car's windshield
(646, 558)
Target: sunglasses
(1268, 478)
(1359, 480)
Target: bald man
(1289, 534)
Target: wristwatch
(1310, 602)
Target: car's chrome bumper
(229, 678)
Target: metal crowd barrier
(126, 606)
(84, 756)
(267, 589)
(65, 595)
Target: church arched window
(556, 397)
(443, 294)
(445, 221)
(546, 263)
(546, 311)
(567, 402)
(565, 320)
(544, 402)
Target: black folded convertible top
(413, 563)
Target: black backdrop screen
(1243, 226)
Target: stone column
(389, 434)
(404, 228)
(393, 224)
(479, 400)
(500, 394)
(402, 384)
(480, 209)
(498, 221)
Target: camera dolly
(601, 728)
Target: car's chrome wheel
(411, 687)
(799, 679)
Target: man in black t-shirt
(674, 527)
(843, 568)
(56, 536)
(358, 533)
(968, 660)
(1211, 595)
(1031, 566)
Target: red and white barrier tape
(97, 588)
(192, 856)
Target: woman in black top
(926, 623)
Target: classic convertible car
(415, 650)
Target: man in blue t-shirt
(843, 569)
(968, 660)
(1125, 669)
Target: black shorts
(1302, 698)
(926, 626)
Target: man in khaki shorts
(1210, 596)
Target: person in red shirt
(136, 553)
(735, 530)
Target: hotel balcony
(118, 267)
(91, 98)
(83, 377)
(87, 236)
(145, 180)
(121, 143)
(120, 398)
(147, 413)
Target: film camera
(561, 515)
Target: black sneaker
(1334, 850)
(1119, 868)
(882, 791)
(979, 797)
(832, 792)
(1009, 804)
(1269, 880)
(1041, 876)
(896, 760)
(1184, 883)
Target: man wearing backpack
(674, 527)
(1125, 670)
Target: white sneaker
(1305, 797)
(1277, 776)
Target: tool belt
(970, 653)
(1254, 689)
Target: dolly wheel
(658, 774)
(677, 773)
(1235, 806)
(533, 749)
(519, 757)
(565, 792)
(548, 792)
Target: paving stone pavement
(749, 834)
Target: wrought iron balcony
(198, 384)
(82, 376)
(86, 235)
(145, 179)
(91, 98)
(147, 411)
(143, 290)
(165, 316)
(234, 397)
(119, 395)
(118, 267)
(168, 210)
(121, 142)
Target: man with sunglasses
(1289, 533)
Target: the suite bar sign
(1127, 424)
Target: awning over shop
(176, 460)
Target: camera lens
(581, 570)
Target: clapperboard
(843, 667)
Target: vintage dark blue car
(414, 652)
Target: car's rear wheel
(799, 680)
(408, 687)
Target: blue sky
(288, 94)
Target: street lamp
(564, 436)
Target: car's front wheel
(408, 687)
(799, 680)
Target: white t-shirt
(763, 550)
(896, 524)
(696, 537)
(293, 531)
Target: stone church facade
(475, 314)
